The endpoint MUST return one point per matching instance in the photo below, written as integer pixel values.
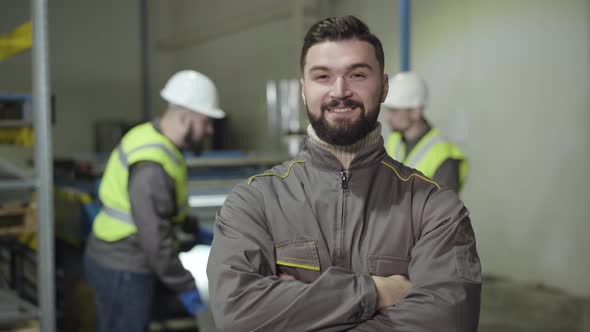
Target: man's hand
(285, 276)
(192, 301)
(204, 236)
(391, 290)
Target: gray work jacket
(332, 230)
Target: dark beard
(191, 144)
(346, 132)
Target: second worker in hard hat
(413, 141)
(144, 195)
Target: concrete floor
(509, 306)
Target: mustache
(342, 103)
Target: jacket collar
(324, 159)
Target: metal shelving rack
(12, 308)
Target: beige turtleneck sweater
(346, 153)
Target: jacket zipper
(344, 177)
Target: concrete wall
(510, 80)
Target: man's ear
(420, 111)
(416, 113)
(303, 94)
(385, 87)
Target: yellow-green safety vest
(142, 143)
(427, 156)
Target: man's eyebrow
(351, 67)
(360, 65)
(318, 68)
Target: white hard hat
(193, 90)
(406, 90)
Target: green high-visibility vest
(427, 156)
(142, 143)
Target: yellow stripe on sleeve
(396, 171)
(284, 176)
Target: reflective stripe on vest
(419, 154)
(420, 150)
(399, 151)
(125, 161)
(118, 214)
(126, 217)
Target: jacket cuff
(369, 297)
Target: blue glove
(192, 302)
(204, 236)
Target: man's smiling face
(343, 87)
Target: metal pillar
(404, 28)
(146, 105)
(44, 166)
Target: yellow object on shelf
(24, 136)
(20, 220)
(16, 41)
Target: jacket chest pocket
(385, 266)
(298, 259)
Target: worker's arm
(153, 202)
(444, 271)
(447, 174)
(247, 295)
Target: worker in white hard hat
(413, 141)
(144, 196)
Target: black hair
(341, 28)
